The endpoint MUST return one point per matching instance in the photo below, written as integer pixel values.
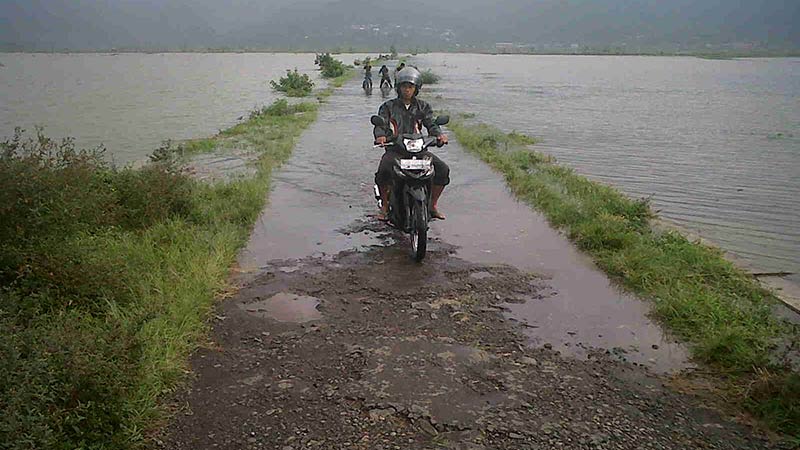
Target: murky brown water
(714, 144)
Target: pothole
(286, 307)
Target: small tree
(331, 67)
(294, 84)
(428, 77)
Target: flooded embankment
(713, 144)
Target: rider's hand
(380, 140)
(441, 139)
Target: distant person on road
(368, 74)
(385, 76)
(397, 70)
(404, 115)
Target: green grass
(723, 313)
(109, 276)
(335, 83)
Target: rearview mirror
(378, 121)
(442, 120)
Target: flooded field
(714, 144)
(132, 102)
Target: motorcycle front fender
(418, 193)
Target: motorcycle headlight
(413, 145)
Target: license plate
(413, 144)
(415, 164)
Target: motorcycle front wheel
(419, 234)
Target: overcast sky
(92, 24)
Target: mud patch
(480, 275)
(418, 356)
(286, 307)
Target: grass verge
(334, 83)
(723, 313)
(109, 276)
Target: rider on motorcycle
(407, 114)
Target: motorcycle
(367, 85)
(410, 195)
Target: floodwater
(322, 202)
(714, 144)
(132, 102)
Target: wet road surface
(322, 203)
(505, 337)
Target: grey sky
(88, 24)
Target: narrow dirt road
(504, 338)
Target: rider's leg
(436, 192)
(383, 178)
(441, 178)
(384, 191)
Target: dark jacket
(405, 121)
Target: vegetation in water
(429, 77)
(294, 84)
(330, 66)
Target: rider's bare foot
(436, 214)
(383, 216)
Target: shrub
(294, 84)
(334, 69)
(428, 77)
(54, 199)
(331, 67)
(64, 383)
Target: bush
(334, 69)
(331, 67)
(64, 383)
(428, 77)
(54, 199)
(105, 288)
(294, 84)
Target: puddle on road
(286, 307)
(581, 333)
(582, 312)
(321, 200)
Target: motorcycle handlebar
(387, 144)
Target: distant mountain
(311, 24)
